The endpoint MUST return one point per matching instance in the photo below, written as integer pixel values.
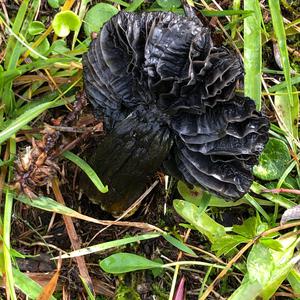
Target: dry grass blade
(75, 240)
(50, 287)
(132, 208)
(49, 204)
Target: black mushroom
(167, 98)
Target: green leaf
(273, 161)
(253, 52)
(200, 220)
(227, 243)
(42, 48)
(85, 167)
(179, 244)
(54, 3)
(248, 228)
(169, 4)
(247, 291)
(59, 47)
(157, 271)
(193, 195)
(260, 264)
(270, 243)
(127, 262)
(97, 16)
(294, 280)
(36, 27)
(134, 5)
(287, 114)
(120, 2)
(64, 22)
(266, 270)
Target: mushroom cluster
(167, 98)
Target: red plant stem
(281, 190)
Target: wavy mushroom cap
(166, 64)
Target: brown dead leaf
(50, 287)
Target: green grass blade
(25, 15)
(47, 98)
(28, 286)
(22, 120)
(11, 44)
(253, 52)
(81, 14)
(223, 13)
(6, 245)
(288, 114)
(236, 6)
(7, 229)
(29, 115)
(21, 42)
(281, 40)
(87, 289)
(285, 174)
(284, 84)
(109, 245)
(50, 205)
(258, 207)
(12, 74)
(87, 170)
(179, 244)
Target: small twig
(81, 138)
(70, 129)
(287, 295)
(207, 253)
(74, 238)
(5, 12)
(127, 211)
(47, 245)
(51, 222)
(281, 190)
(177, 267)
